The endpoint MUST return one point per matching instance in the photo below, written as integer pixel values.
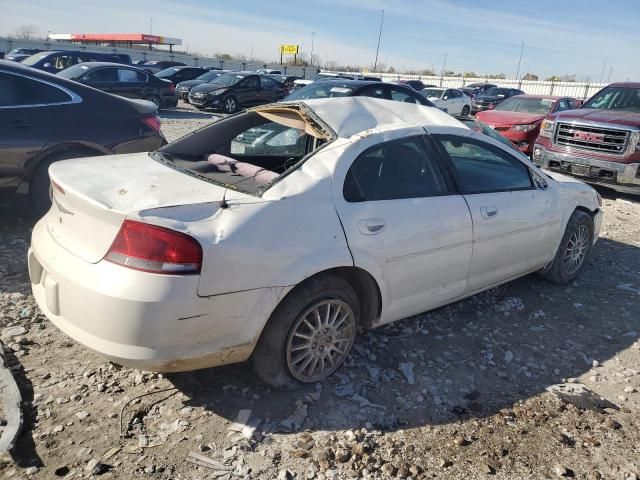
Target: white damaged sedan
(277, 233)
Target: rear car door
(26, 125)
(271, 90)
(516, 217)
(403, 221)
(130, 83)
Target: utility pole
(602, 74)
(375, 64)
(444, 64)
(151, 26)
(313, 38)
(610, 71)
(519, 61)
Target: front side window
(20, 91)
(482, 168)
(433, 92)
(251, 82)
(102, 75)
(394, 170)
(329, 89)
(616, 98)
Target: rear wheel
(573, 250)
(153, 99)
(465, 110)
(310, 333)
(40, 184)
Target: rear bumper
(142, 320)
(622, 177)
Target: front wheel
(310, 333)
(465, 111)
(573, 250)
(230, 104)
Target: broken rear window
(249, 151)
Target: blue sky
(561, 37)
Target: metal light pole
(375, 64)
(313, 38)
(519, 61)
(444, 63)
(151, 26)
(610, 71)
(603, 67)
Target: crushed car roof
(348, 116)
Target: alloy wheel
(576, 250)
(320, 340)
(230, 105)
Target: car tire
(319, 319)
(230, 104)
(573, 251)
(153, 99)
(40, 184)
(465, 111)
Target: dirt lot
(461, 392)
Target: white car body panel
(258, 248)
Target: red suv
(599, 142)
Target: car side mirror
(446, 97)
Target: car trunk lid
(93, 196)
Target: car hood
(489, 98)
(190, 83)
(497, 117)
(603, 116)
(207, 87)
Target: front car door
(403, 221)
(105, 79)
(247, 90)
(516, 216)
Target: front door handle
(489, 212)
(371, 226)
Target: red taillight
(152, 122)
(155, 249)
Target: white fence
(572, 89)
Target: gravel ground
(528, 380)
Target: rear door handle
(489, 212)
(371, 226)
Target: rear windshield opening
(247, 151)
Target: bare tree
(26, 32)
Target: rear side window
(401, 96)
(103, 75)
(482, 168)
(126, 75)
(269, 83)
(394, 170)
(374, 91)
(16, 91)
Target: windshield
(616, 98)
(432, 92)
(497, 92)
(207, 77)
(321, 90)
(227, 79)
(33, 59)
(539, 106)
(167, 72)
(74, 72)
